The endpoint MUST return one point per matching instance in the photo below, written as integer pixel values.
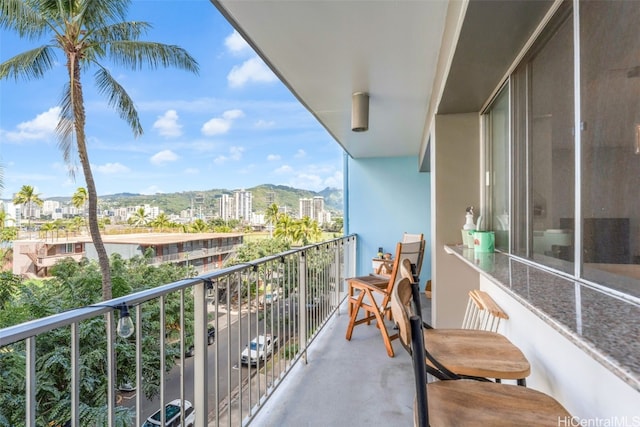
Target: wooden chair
(386, 267)
(462, 353)
(482, 312)
(462, 402)
(372, 293)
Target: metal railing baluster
(30, 373)
(304, 290)
(75, 375)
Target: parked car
(260, 348)
(211, 337)
(172, 415)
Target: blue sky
(232, 126)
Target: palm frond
(99, 13)
(20, 16)
(29, 65)
(136, 54)
(120, 31)
(118, 98)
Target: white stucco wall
(586, 388)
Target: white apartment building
(226, 207)
(243, 205)
(305, 208)
(312, 208)
(49, 207)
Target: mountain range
(173, 203)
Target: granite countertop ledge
(608, 326)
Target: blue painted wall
(384, 198)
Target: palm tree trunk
(94, 229)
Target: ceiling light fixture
(360, 112)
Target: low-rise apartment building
(201, 251)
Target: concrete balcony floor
(346, 383)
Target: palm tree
(79, 199)
(271, 215)
(198, 226)
(28, 197)
(307, 230)
(161, 222)
(285, 228)
(48, 227)
(139, 218)
(4, 218)
(86, 32)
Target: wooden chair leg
(354, 314)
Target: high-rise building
(226, 206)
(318, 209)
(243, 205)
(306, 208)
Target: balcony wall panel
(387, 197)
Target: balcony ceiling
(326, 50)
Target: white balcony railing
(290, 296)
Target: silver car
(172, 415)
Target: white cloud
(300, 154)
(251, 70)
(232, 114)
(273, 157)
(235, 153)
(164, 156)
(42, 127)
(264, 124)
(236, 44)
(191, 171)
(110, 168)
(153, 189)
(316, 181)
(216, 126)
(220, 159)
(168, 125)
(334, 181)
(284, 169)
(221, 125)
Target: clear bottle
(469, 224)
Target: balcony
(312, 374)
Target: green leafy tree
(86, 32)
(306, 231)
(198, 226)
(75, 285)
(79, 198)
(79, 201)
(271, 215)
(337, 225)
(8, 234)
(9, 284)
(139, 218)
(48, 227)
(28, 197)
(161, 222)
(285, 228)
(4, 218)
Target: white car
(260, 348)
(172, 415)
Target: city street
(225, 350)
